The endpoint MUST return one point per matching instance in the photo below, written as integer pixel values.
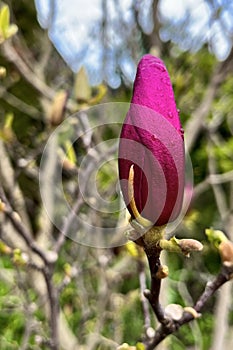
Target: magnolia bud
(152, 142)
(57, 109)
(226, 252)
(174, 311)
(189, 245)
(162, 272)
(2, 206)
(2, 72)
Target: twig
(47, 269)
(12, 56)
(19, 104)
(86, 137)
(221, 328)
(212, 179)
(196, 122)
(153, 256)
(7, 181)
(67, 224)
(221, 313)
(54, 307)
(217, 189)
(19, 226)
(211, 287)
(145, 306)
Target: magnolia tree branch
(170, 323)
(170, 327)
(21, 228)
(153, 294)
(223, 298)
(54, 306)
(196, 123)
(47, 269)
(29, 75)
(210, 180)
(145, 305)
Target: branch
(196, 122)
(7, 181)
(145, 305)
(221, 328)
(21, 228)
(163, 331)
(67, 224)
(212, 179)
(12, 56)
(152, 249)
(217, 189)
(153, 294)
(152, 41)
(19, 104)
(54, 306)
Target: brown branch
(68, 224)
(19, 104)
(222, 310)
(212, 179)
(29, 75)
(211, 287)
(54, 306)
(153, 256)
(47, 270)
(152, 40)
(219, 194)
(145, 305)
(21, 228)
(196, 122)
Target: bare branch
(211, 287)
(12, 56)
(196, 122)
(67, 224)
(218, 192)
(212, 179)
(19, 104)
(54, 307)
(21, 228)
(221, 328)
(145, 306)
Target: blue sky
(73, 36)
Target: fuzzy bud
(226, 252)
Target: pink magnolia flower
(152, 141)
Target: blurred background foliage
(98, 290)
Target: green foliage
(184, 68)
(132, 320)
(206, 327)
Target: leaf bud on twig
(226, 252)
